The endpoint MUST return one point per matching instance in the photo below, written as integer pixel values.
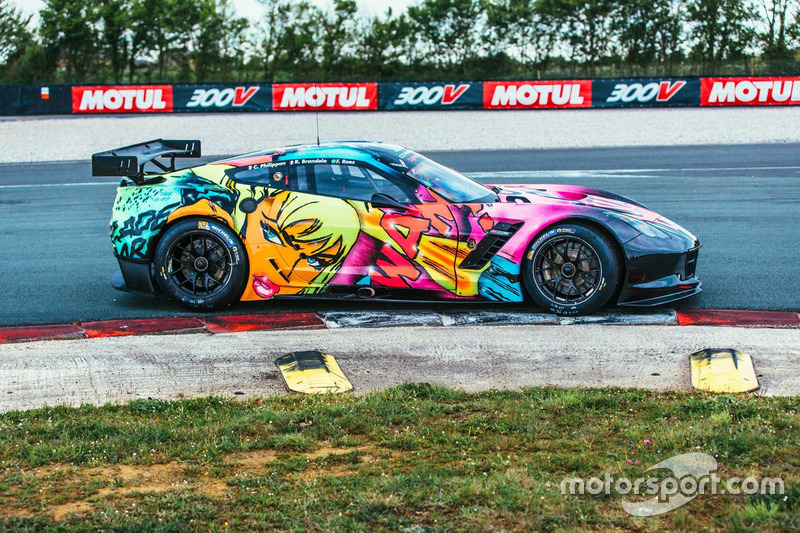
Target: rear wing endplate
(129, 161)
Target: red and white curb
(372, 319)
(168, 325)
(746, 319)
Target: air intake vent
(691, 264)
(497, 237)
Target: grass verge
(414, 457)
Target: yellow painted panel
(312, 372)
(723, 370)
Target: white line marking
(87, 183)
(538, 174)
(687, 169)
(611, 173)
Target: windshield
(449, 184)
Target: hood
(573, 195)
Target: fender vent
(497, 237)
(691, 264)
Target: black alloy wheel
(572, 270)
(198, 264)
(567, 270)
(201, 264)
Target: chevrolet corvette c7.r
(374, 220)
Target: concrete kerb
(372, 319)
(241, 364)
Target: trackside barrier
(516, 94)
(35, 100)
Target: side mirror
(382, 200)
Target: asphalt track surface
(742, 201)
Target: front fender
(539, 222)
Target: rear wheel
(571, 270)
(201, 264)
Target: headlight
(642, 226)
(669, 225)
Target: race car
(364, 220)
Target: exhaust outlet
(365, 292)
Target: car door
(265, 188)
(397, 241)
(315, 232)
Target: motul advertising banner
(646, 92)
(324, 96)
(222, 97)
(750, 91)
(537, 94)
(122, 99)
(456, 95)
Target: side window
(263, 176)
(302, 179)
(355, 183)
(390, 189)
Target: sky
(253, 10)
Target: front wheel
(201, 264)
(571, 270)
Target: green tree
(164, 29)
(651, 32)
(219, 40)
(337, 32)
(448, 31)
(70, 36)
(183, 18)
(720, 29)
(14, 34)
(520, 29)
(272, 31)
(381, 42)
(587, 27)
(115, 19)
(22, 58)
(777, 17)
(289, 39)
(141, 34)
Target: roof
(391, 155)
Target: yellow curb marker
(723, 370)
(312, 372)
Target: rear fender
(138, 216)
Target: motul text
(750, 91)
(537, 94)
(325, 96)
(122, 99)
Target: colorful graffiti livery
(373, 220)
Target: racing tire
(571, 269)
(201, 264)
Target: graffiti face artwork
(376, 220)
(293, 249)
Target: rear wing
(129, 161)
